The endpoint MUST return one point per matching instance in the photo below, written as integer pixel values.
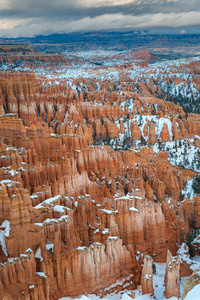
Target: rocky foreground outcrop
(190, 282)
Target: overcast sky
(33, 17)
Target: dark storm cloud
(74, 8)
(25, 17)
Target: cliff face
(86, 194)
(14, 54)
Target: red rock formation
(164, 135)
(71, 192)
(185, 262)
(190, 282)
(147, 276)
(172, 276)
(135, 131)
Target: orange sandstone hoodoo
(80, 207)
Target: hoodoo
(99, 186)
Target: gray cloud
(29, 18)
